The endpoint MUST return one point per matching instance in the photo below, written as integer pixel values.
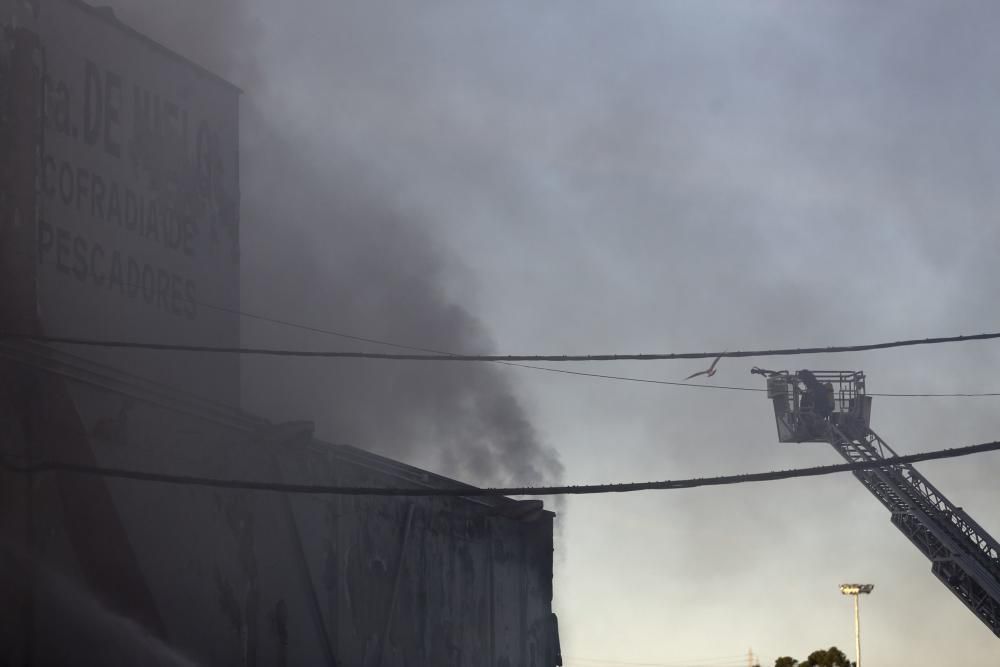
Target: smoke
(325, 241)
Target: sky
(597, 176)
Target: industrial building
(119, 220)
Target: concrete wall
(132, 158)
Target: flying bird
(709, 372)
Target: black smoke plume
(324, 243)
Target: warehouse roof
(107, 14)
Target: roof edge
(107, 14)
(79, 369)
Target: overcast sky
(587, 176)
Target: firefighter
(818, 395)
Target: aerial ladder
(832, 407)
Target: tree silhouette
(831, 657)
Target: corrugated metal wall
(247, 578)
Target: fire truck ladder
(831, 407)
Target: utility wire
(335, 354)
(577, 662)
(622, 378)
(973, 395)
(445, 355)
(375, 341)
(459, 491)
(272, 320)
(602, 376)
(738, 659)
(400, 346)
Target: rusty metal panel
(432, 581)
(137, 178)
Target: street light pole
(856, 590)
(857, 629)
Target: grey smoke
(325, 242)
(684, 176)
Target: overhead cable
(340, 354)
(400, 346)
(736, 660)
(602, 376)
(467, 491)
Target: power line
(739, 659)
(458, 491)
(375, 341)
(642, 380)
(957, 395)
(602, 376)
(564, 371)
(338, 354)
(508, 359)
(622, 378)
(570, 662)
